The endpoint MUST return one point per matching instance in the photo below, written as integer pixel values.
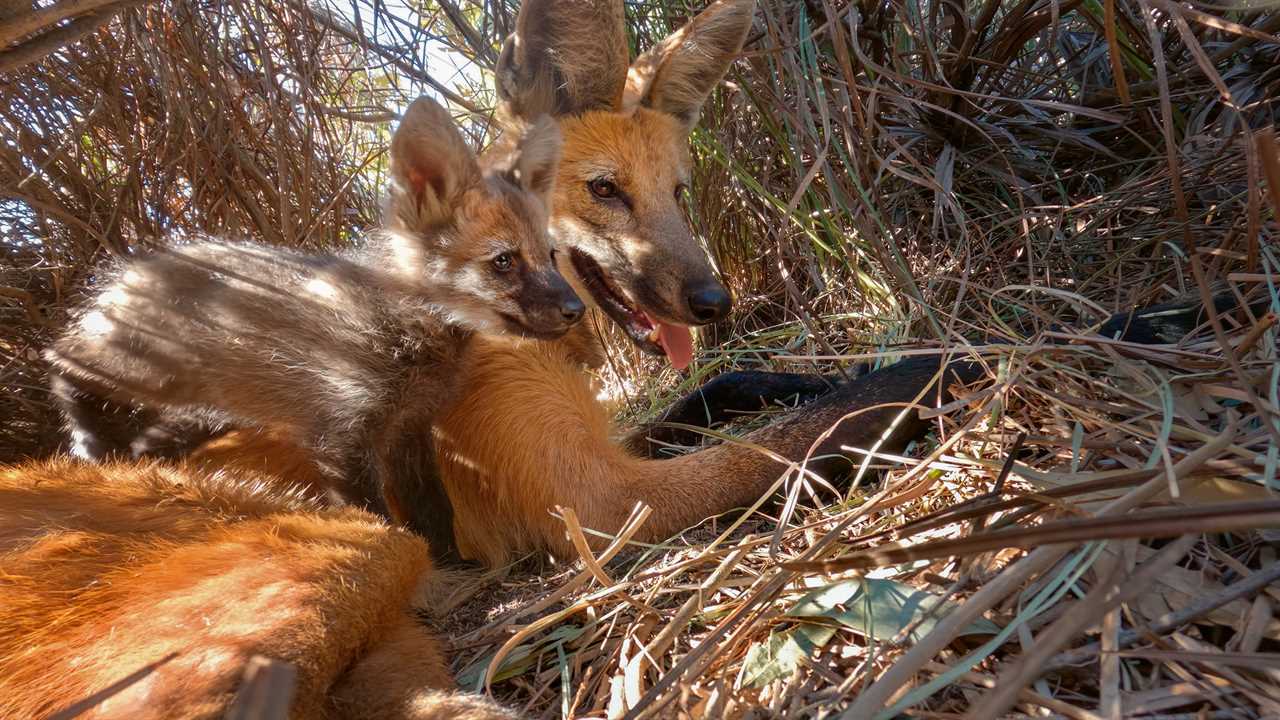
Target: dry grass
(992, 178)
(955, 176)
(252, 118)
(733, 624)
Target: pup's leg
(99, 428)
(390, 469)
(414, 491)
(347, 464)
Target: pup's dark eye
(603, 188)
(680, 190)
(504, 262)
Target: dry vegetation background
(875, 175)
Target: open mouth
(649, 334)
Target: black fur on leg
(897, 383)
(721, 399)
(747, 391)
(99, 428)
(1169, 322)
(414, 494)
(890, 387)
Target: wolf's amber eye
(603, 188)
(504, 262)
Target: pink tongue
(677, 340)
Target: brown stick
(45, 43)
(266, 691)
(1116, 589)
(876, 697)
(1167, 522)
(1205, 605)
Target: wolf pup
(353, 354)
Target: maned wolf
(114, 568)
(108, 569)
(528, 431)
(353, 354)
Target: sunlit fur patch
(114, 296)
(110, 568)
(422, 267)
(646, 150)
(477, 317)
(96, 324)
(80, 445)
(321, 288)
(471, 280)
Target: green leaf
(880, 609)
(520, 659)
(782, 653)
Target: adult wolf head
(617, 207)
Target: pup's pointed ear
(534, 156)
(565, 57)
(431, 165)
(676, 75)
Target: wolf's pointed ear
(431, 165)
(566, 57)
(676, 75)
(534, 156)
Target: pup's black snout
(550, 305)
(571, 307)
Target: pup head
(472, 232)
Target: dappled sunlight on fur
(133, 562)
(527, 432)
(108, 568)
(349, 355)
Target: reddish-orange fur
(261, 452)
(528, 432)
(527, 435)
(105, 569)
(532, 436)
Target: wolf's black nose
(708, 302)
